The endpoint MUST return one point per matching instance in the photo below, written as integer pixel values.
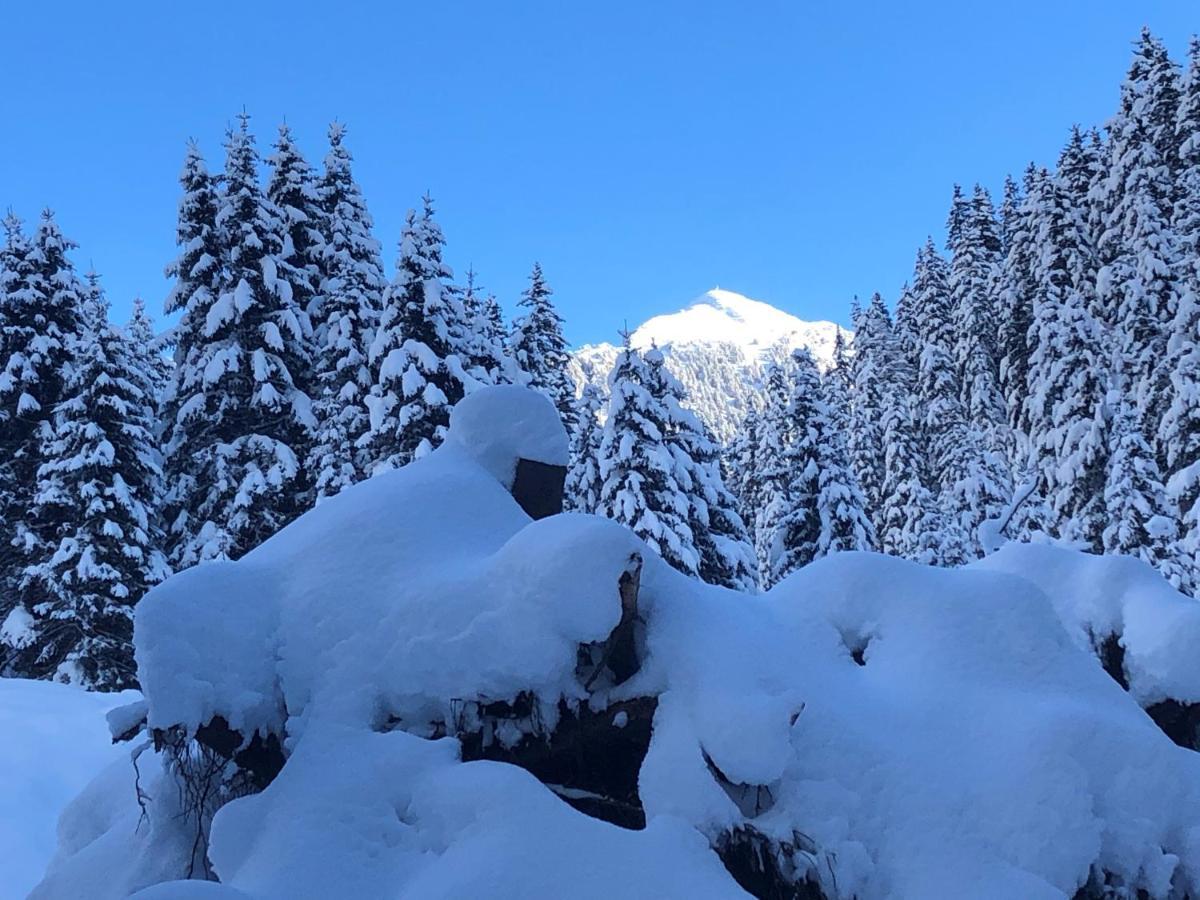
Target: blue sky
(642, 151)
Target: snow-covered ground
(885, 729)
(717, 347)
(53, 741)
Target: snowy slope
(717, 347)
(908, 732)
(53, 740)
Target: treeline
(1042, 378)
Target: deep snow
(53, 740)
(934, 733)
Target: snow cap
(497, 425)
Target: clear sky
(797, 152)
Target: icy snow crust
(979, 750)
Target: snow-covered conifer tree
(640, 480)
(582, 491)
(1065, 405)
(742, 458)
(242, 417)
(1137, 248)
(872, 346)
(146, 348)
(189, 414)
(823, 510)
(539, 348)
(772, 482)
(726, 556)
(1179, 434)
(344, 317)
(43, 312)
(486, 352)
(1139, 522)
(416, 354)
(95, 547)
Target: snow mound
(54, 740)
(870, 727)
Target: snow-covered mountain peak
(718, 346)
(725, 317)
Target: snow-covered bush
(433, 695)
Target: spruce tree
(823, 510)
(872, 343)
(245, 418)
(772, 491)
(910, 522)
(97, 547)
(1016, 290)
(147, 350)
(19, 416)
(743, 464)
(487, 355)
(726, 556)
(344, 317)
(582, 491)
(189, 413)
(1065, 405)
(417, 353)
(972, 277)
(1139, 523)
(538, 346)
(1179, 434)
(640, 481)
(45, 306)
(1137, 245)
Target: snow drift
(409, 682)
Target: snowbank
(870, 727)
(53, 739)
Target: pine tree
(415, 357)
(772, 489)
(640, 482)
(872, 342)
(726, 556)
(539, 348)
(1137, 245)
(838, 386)
(147, 350)
(1065, 406)
(295, 198)
(190, 414)
(971, 281)
(911, 525)
(344, 317)
(1016, 290)
(743, 465)
(244, 417)
(1179, 434)
(19, 416)
(98, 546)
(1135, 501)
(44, 312)
(583, 485)
(823, 510)
(487, 355)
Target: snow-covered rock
(717, 347)
(879, 728)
